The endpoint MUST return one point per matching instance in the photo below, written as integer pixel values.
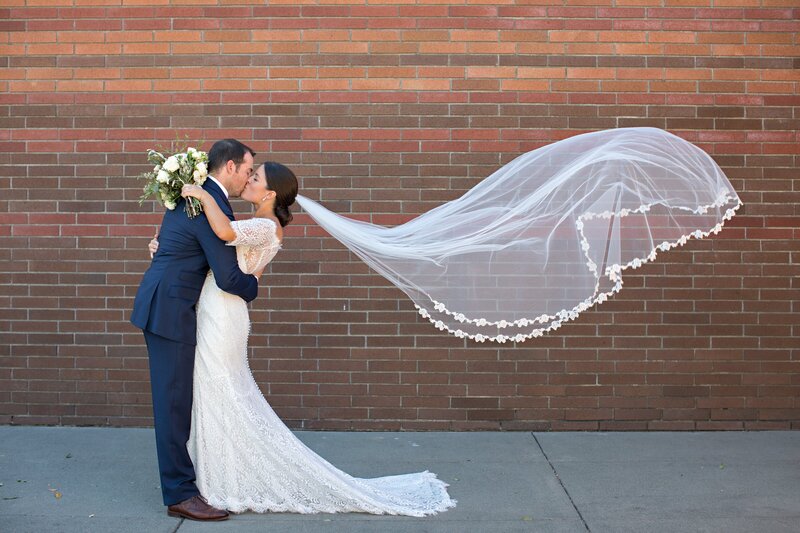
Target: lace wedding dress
(245, 458)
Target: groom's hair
(227, 150)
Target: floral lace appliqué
(256, 243)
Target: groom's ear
(230, 166)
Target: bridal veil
(548, 235)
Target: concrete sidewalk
(59, 479)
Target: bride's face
(256, 188)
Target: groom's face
(242, 174)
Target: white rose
(190, 150)
(169, 204)
(201, 167)
(172, 164)
(163, 176)
(199, 178)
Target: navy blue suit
(164, 309)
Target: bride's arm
(219, 222)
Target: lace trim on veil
(613, 272)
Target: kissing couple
(221, 448)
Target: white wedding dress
(245, 458)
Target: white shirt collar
(215, 180)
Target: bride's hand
(194, 191)
(153, 246)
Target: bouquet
(170, 174)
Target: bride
(245, 458)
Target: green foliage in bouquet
(170, 174)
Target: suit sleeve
(222, 260)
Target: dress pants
(171, 374)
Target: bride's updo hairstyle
(283, 181)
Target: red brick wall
(387, 109)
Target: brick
(443, 96)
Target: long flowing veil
(548, 235)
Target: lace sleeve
(253, 232)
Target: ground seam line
(555, 473)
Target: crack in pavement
(180, 523)
(555, 473)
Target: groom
(164, 309)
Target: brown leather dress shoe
(197, 508)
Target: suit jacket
(187, 247)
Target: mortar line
(560, 482)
